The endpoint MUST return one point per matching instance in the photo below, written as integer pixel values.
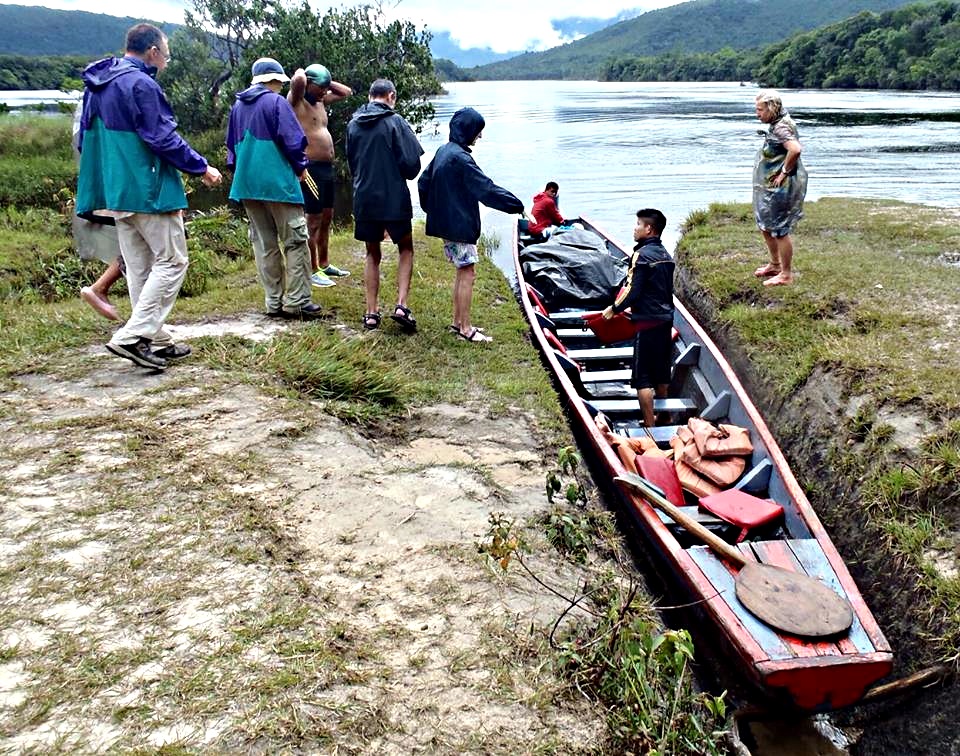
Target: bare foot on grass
(99, 303)
(767, 270)
(781, 279)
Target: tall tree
(357, 44)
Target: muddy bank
(812, 427)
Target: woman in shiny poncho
(779, 186)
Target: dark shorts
(373, 230)
(322, 174)
(652, 356)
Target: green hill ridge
(31, 30)
(693, 27)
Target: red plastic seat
(618, 328)
(535, 300)
(742, 509)
(661, 472)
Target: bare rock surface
(194, 563)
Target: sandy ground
(188, 560)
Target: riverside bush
(38, 261)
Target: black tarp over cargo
(574, 269)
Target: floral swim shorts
(461, 254)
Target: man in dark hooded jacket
(451, 189)
(383, 154)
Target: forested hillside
(22, 72)
(694, 27)
(916, 47)
(30, 30)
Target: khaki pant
(154, 249)
(285, 276)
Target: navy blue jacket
(453, 184)
(648, 291)
(383, 154)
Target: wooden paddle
(789, 601)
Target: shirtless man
(311, 89)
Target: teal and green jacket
(265, 145)
(130, 151)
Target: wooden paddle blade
(792, 602)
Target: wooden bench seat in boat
(694, 512)
(581, 333)
(620, 406)
(661, 433)
(605, 376)
(570, 318)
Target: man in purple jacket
(130, 161)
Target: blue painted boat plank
(810, 555)
(724, 582)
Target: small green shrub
(35, 181)
(644, 675)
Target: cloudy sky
(503, 25)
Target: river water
(616, 147)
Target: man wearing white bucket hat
(265, 149)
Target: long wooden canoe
(593, 378)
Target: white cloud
(505, 25)
(502, 25)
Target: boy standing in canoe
(648, 293)
(451, 188)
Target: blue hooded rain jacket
(265, 145)
(130, 151)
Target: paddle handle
(639, 485)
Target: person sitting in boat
(546, 214)
(648, 292)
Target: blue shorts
(461, 254)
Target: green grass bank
(857, 369)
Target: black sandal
(405, 318)
(371, 321)
(475, 336)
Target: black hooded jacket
(383, 154)
(453, 184)
(648, 291)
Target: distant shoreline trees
(22, 72)
(913, 47)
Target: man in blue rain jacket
(265, 148)
(130, 159)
